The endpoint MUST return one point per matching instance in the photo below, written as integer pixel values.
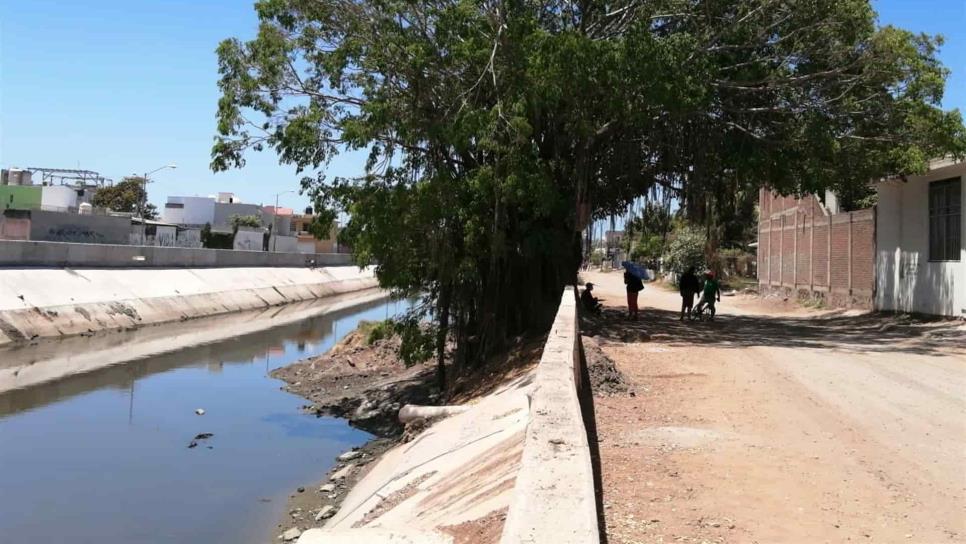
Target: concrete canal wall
(76, 358)
(19, 254)
(53, 302)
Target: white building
(189, 210)
(920, 234)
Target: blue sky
(122, 87)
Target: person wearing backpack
(689, 286)
(634, 287)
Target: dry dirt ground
(780, 426)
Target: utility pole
(143, 201)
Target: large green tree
(496, 129)
(127, 195)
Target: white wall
(249, 240)
(906, 280)
(306, 247)
(197, 210)
(284, 244)
(58, 197)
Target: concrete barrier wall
(553, 500)
(18, 253)
(45, 302)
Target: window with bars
(945, 219)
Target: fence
(806, 250)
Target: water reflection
(102, 456)
(276, 346)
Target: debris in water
(200, 436)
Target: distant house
(906, 254)
(308, 243)
(189, 210)
(217, 212)
(920, 251)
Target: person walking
(689, 286)
(634, 287)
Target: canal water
(103, 457)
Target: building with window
(920, 253)
(308, 243)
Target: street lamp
(275, 219)
(144, 194)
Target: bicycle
(698, 312)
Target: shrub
(647, 248)
(375, 331)
(686, 249)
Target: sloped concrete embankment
(519, 453)
(24, 367)
(40, 303)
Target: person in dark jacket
(589, 301)
(689, 286)
(634, 287)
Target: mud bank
(41, 303)
(362, 382)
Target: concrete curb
(554, 498)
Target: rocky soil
(362, 382)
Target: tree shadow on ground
(867, 333)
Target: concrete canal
(102, 456)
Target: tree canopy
(125, 196)
(495, 130)
(252, 221)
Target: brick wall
(804, 250)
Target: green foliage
(320, 228)
(597, 256)
(417, 339)
(252, 221)
(488, 125)
(686, 249)
(654, 220)
(375, 331)
(128, 196)
(216, 240)
(647, 248)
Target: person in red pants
(634, 287)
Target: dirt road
(784, 426)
